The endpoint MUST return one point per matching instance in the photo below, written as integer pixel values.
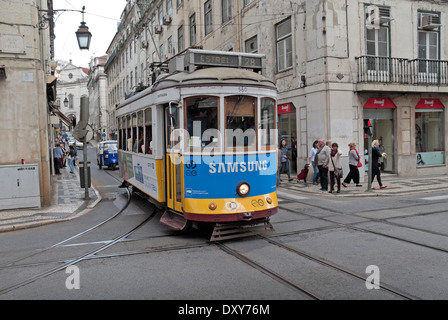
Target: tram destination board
(227, 60)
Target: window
(148, 146)
(226, 10)
(180, 39)
(428, 46)
(208, 18)
(240, 123)
(170, 45)
(251, 45)
(429, 133)
(284, 45)
(160, 15)
(202, 121)
(247, 2)
(378, 44)
(192, 29)
(169, 7)
(267, 124)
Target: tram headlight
(243, 189)
(212, 206)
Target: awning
(286, 108)
(51, 88)
(63, 117)
(379, 103)
(429, 104)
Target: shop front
(429, 133)
(381, 113)
(287, 130)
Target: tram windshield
(202, 117)
(240, 122)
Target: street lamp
(83, 35)
(66, 102)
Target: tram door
(173, 161)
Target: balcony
(383, 70)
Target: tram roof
(213, 76)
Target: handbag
(337, 171)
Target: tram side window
(267, 117)
(240, 122)
(134, 132)
(128, 134)
(148, 131)
(202, 117)
(139, 141)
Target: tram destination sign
(224, 59)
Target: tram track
(353, 226)
(64, 263)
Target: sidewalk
(395, 186)
(67, 203)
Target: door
(174, 168)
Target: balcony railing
(402, 71)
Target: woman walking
(312, 162)
(376, 154)
(354, 162)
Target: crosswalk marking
(289, 196)
(436, 198)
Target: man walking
(323, 158)
(57, 154)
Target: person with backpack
(71, 162)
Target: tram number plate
(242, 89)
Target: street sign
(88, 136)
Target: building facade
(97, 89)
(335, 63)
(27, 88)
(71, 86)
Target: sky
(101, 16)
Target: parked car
(79, 144)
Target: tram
(200, 143)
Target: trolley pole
(83, 133)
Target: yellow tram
(201, 143)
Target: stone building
(27, 90)
(97, 87)
(335, 63)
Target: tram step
(173, 220)
(231, 230)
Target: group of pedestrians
(325, 158)
(60, 155)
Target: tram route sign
(195, 58)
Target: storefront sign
(286, 108)
(429, 158)
(379, 103)
(429, 104)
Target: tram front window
(240, 122)
(202, 121)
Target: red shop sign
(285, 108)
(379, 103)
(429, 104)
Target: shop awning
(380, 103)
(286, 108)
(429, 104)
(63, 117)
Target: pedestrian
(323, 158)
(64, 155)
(71, 162)
(376, 154)
(335, 167)
(312, 163)
(57, 155)
(354, 162)
(284, 160)
(76, 154)
(279, 164)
